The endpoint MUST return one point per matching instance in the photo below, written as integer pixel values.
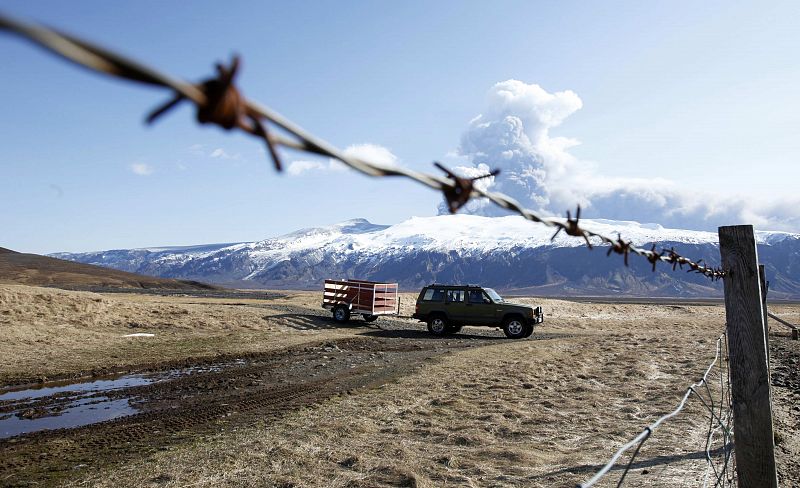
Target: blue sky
(705, 94)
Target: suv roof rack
(470, 285)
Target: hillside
(36, 270)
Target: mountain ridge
(505, 252)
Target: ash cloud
(513, 134)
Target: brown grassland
(547, 411)
(36, 270)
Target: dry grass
(527, 413)
(518, 413)
(36, 270)
(48, 332)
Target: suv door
(481, 309)
(456, 304)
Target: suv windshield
(493, 295)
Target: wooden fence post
(750, 382)
(762, 276)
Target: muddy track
(253, 389)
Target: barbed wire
(720, 420)
(219, 102)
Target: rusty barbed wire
(218, 101)
(225, 107)
(462, 188)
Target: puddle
(62, 404)
(85, 412)
(96, 386)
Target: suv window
(433, 295)
(477, 296)
(494, 296)
(455, 296)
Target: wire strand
(640, 439)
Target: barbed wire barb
(572, 227)
(459, 192)
(620, 246)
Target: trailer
(370, 299)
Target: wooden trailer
(367, 298)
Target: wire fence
(219, 102)
(713, 391)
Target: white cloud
(141, 169)
(203, 151)
(513, 134)
(373, 153)
(220, 153)
(297, 168)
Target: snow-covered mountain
(508, 253)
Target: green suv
(446, 308)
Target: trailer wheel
(370, 318)
(341, 314)
(514, 327)
(437, 325)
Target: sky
(680, 113)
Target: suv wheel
(437, 325)
(341, 314)
(453, 329)
(515, 328)
(528, 330)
